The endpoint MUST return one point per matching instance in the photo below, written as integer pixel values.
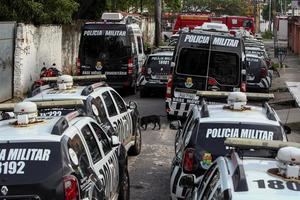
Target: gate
(7, 36)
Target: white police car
(201, 140)
(239, 176)
(100, 101)
(68, 157)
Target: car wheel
(124, 190)
(143, 93)
(132, 90)
(136, 149)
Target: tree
(219, 7)
(38, 11)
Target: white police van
(100, 101)
(201, 140)
(114, 46)
(51, 157)
(243, 175)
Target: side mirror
(132, 105)
(175, 125)
(187, 181)
(115, 141)
(287, 129)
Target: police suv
(99, 101)
(155, 72)
(240, 176)
(113, 46)
(204, 61)
(51, 157)
(201, 140)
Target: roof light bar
(100, 77)
(241, 143)
(223, 94)
(9, 107)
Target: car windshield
(222, 66)
(212, 135)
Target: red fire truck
(232, 22)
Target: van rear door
(105, 48)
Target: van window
(223, 66)
(140, 44)
(247, 23)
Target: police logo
(98, 65)
(189, 82)
(4, 190)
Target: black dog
(154, 119)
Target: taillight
(189, 160)
(169, 87)
(78, 66)
(71, 188)
(243, 87)
(263, 72)
(130, 66)
(211, 81)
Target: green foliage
(267, 35)
(219, 7)
(38, 11)
(265, 11)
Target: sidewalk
(290, 73)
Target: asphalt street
(150, 171)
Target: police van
(67, 157)
(100, 101)
(244, 175)
(113, 47)
(201, 140)
(204, 61)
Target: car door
(100, 165)
(120, 121)
(90, 187)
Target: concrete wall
(34, 45)
(294, 34)
(50, 44)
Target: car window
(212, 185)
(192, 127)
(75, 145)
(119, 101)
(101, 109)
(206, 178)
(111, 109)
(102, 138)
(91, 143)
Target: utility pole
(157, 22)
(274, 12)
(270, 11)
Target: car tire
(132, 90)
(143, 93)
(124, 186)
(136, 149)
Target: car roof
(69, 94)
(256, 115)
(256, 169)
(40, 131)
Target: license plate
(186, 95)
